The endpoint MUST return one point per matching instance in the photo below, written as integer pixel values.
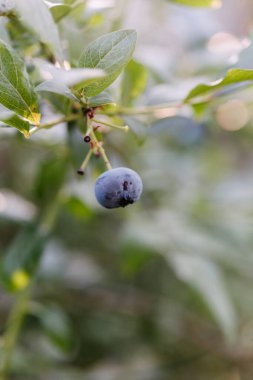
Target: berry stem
(89, 128)
(125, 128)
(100, 150)
(86, 161)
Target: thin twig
(101, 150)
(53, 123)
(125, 128)
(149, 109)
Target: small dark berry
(80, 171)
(87, 139)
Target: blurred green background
(162, 289)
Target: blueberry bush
(103, 104)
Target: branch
(53, 123)
(172, 109)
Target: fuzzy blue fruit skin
(118, 187)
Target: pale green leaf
(111, 53)
(16, 92)
(4, 36)
(36, 16)
(78, 208)
(137, 127)
(134, 82)
(203, 275)
(59, 11)
(199, 3)
(100, 100)
(56, 325)
(13, 120)
(75, 78)
(69, 2)
(56, 88)
(233, 77)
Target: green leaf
(56, 88)
(59, 11)
(22, 257)
(50, 178)
(16, 92)
(59, 103)
(134, 257)
(199, 3)
(69, 2)
(199, 109)
(78, 208)
(134, 82)
(75, 78)
(137, 127)
(37, 17)
(100, 100)
(13, 120)
(111, 53)
(95, 20)
(204, 276)
(56, 325)
(233, 77)
(4, 36)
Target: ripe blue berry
(118, 187)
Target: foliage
(158, 290)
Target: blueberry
(118, 187)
